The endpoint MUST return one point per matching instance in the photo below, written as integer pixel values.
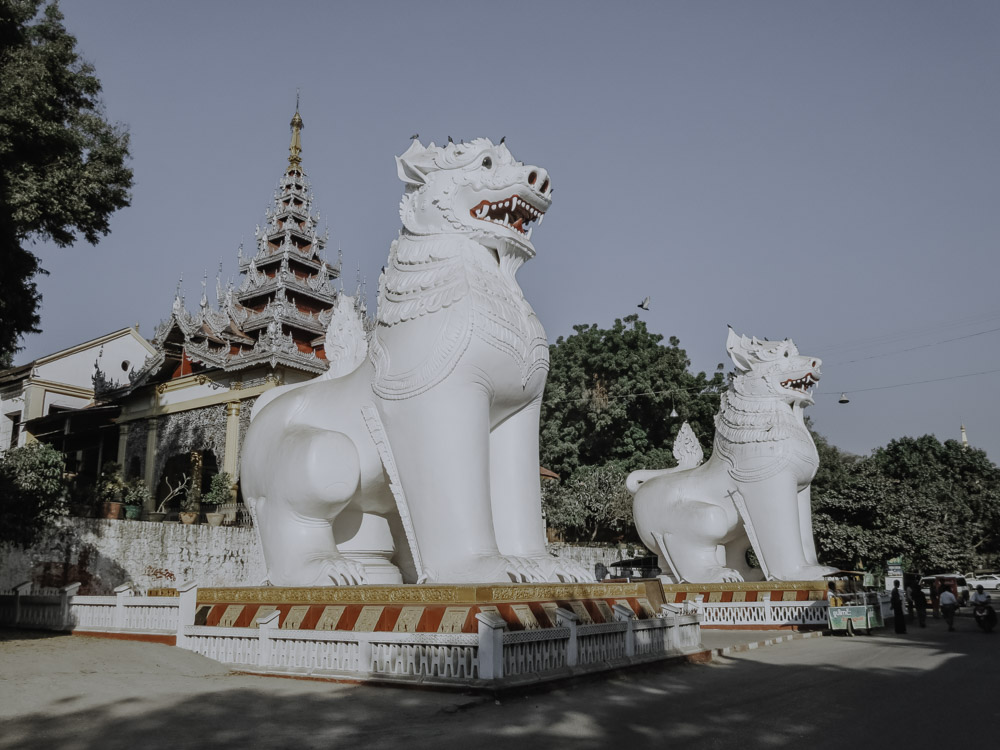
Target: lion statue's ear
(413, 166)
(735, 345)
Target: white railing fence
(763, 613)
(494, 656)
(45, 609)
(125, 611)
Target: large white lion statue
(754, 489)
(432, 421)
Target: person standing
(897, 608)
(948, 604)
(920, 604)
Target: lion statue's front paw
(721, 575)
(340, 572)
(553, 569)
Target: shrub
(137, 493)
(32, 492)
(219, 490)
(111, 486)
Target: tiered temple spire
(279, 312)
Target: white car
(990, 582)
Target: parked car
(955, 581)
(637, 567)
(989, 581)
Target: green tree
(32, 492)
(951, 501)
(606, 412)
(936, 504)
(62, 165)
(834, 464)
(854, 523)
(593, 503)
(609, 395)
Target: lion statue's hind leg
(310, 477)
(697, 532)
(687, 534)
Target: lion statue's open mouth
(513, 212)
(802, 384)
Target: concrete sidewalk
(724, 642)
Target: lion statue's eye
(487, 162)
(786, 354)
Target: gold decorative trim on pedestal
(427, 593)
(674, 588)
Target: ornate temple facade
(195, 393)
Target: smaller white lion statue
(702, 518)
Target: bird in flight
(644, 305)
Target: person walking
(948, 604)
(920, 604)
(896, 600)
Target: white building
(61, 382)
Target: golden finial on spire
(295, 149)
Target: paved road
(833, 692)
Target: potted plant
(189, 507)
(220, 491)
(172, 492)
(137, 496)
(110, 489)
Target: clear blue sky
(824, 171)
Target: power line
(707, 390)
(900, 335)
(914, 348)
(903, 385)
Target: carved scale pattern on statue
(760, 438)
(472, 293)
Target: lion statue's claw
(569, 571)
(340, 571)
(722, 575)
(548, 568)
(523, 569)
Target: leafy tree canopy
(592, 504)
(606, 412)
(609, 395)
(62, 165)
(935, 504)
(32, 492)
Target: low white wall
(591, 555)
(102, 554)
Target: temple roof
(278, 313)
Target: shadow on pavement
(816, 693)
